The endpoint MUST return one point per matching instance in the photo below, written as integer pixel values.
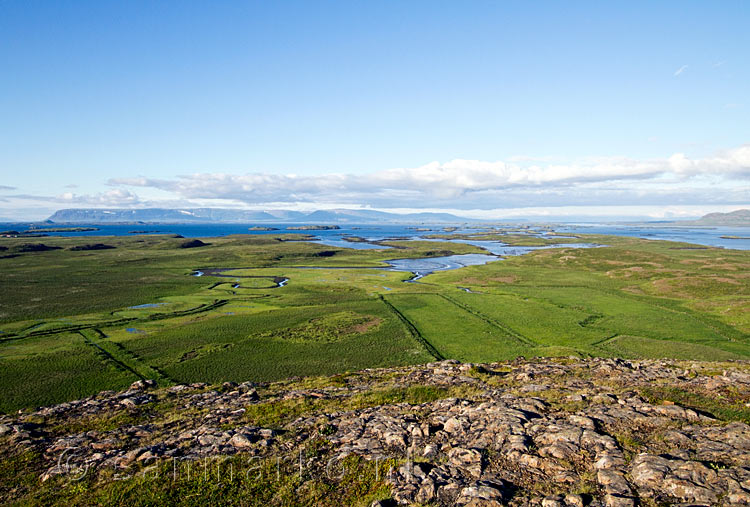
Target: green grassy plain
(69, 329)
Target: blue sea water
(215, 230)
(708, 236)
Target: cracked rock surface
(548, 432)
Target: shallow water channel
(423, 267)
(418, 267)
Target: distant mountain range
(220, 215)
(739, 218)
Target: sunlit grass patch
(638, 347)
(719, 407)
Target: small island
(16, 234)
(313, 228)
(259, 229)
(35, 230)
(39, 232)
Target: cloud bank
(469, 184)
(672, 186)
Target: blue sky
(617, 107)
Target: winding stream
(423, 267)
(418, 267)
(279, 281)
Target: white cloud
(115, 197)
(475, 186)
(680, 70)
(466, 183)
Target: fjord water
(708, 236)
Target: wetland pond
(419, 267)
(423, 267)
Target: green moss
(413, 395)
(19, 474)
(277, 413)
(236, 481)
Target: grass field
(455, 332)
(73, 323)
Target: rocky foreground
(551, 432)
